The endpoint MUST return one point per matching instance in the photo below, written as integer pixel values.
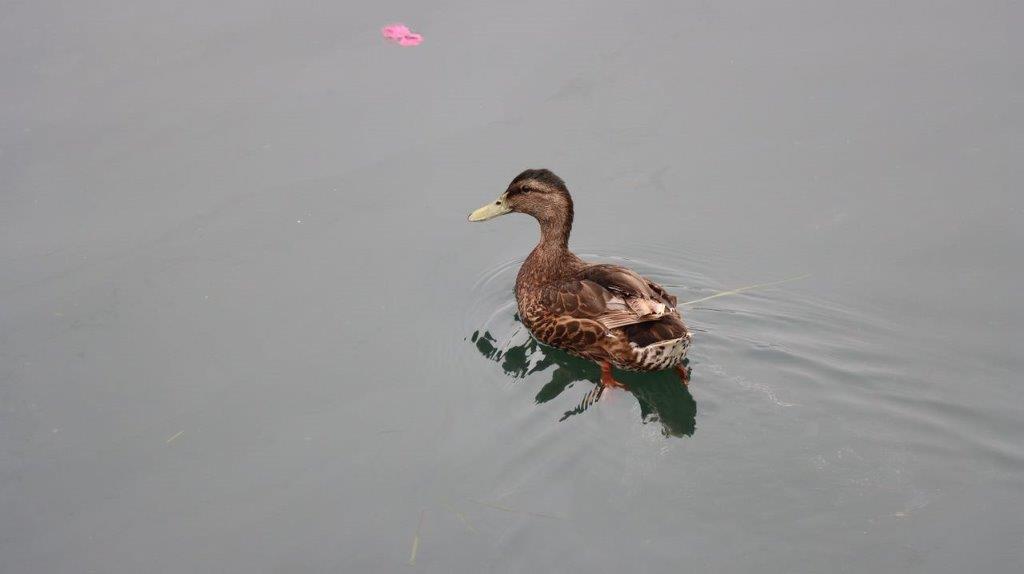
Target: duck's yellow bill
(490, 211)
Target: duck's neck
(554, 233)
(551, 259)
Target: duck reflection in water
(663, 399)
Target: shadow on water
(662, 397)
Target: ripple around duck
(493, 328)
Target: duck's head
(536, 192)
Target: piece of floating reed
(416, 539)
(176, 435)
(747, 288)
(465, 521)
(461, 517)
(514, 511)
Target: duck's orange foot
(684, 374)
(607, 380)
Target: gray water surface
(245, 326)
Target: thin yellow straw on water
(416, 539)
(465, 521)
(747, 288)
(461, 516)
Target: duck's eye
(524, 189)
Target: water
(246, 327)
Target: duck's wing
(611, 295)
(635, 299)
(650, 313)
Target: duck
(601, 312)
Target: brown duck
(604, 313)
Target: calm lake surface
(245, 326)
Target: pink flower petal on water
(410, 39)
(395, 31)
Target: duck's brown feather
(600, 312)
